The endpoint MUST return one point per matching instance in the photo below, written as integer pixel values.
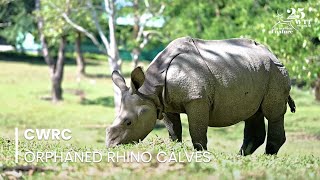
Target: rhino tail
(292, 105)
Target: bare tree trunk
(217, 11)
(135, 57)
(56, 91)
(317, 88)
(45, 48)
(136, 18)
(58, 74)
(136, 28)
(114, 58)
(113, 51)
(79, 57)
(56, 68)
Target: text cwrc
(47, 134)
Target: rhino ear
(137, 79)
(119, 81)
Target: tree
(109, 45)
(192, 18)
(55, 29)
(79, 57)
(143, 13)
(16, 20)
(80, 15)
(252, 19)
(317, 88)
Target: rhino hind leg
(274, 107)
(254, 134)
(198, 118)
(274, 110)
(172, 122)
(276, 135)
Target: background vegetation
(200, 19)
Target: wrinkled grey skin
(216, 83)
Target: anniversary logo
(293, 20)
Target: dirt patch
(16, 172)
(303, 136)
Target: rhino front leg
(198, 118)
(173, 123)
(254, 134)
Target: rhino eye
(128, 122)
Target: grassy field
(24, 84)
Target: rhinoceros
(217, 83)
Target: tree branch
(161, 9)
(140, 32)
(80, 28)
(142, 25)
(147, 35)
(97, 24)
(84, 31)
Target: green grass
(23, 84)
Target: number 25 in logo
(295, 14)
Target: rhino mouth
(116, 141)
(113, 140)
(114, 137)
(110, 143)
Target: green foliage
(54, 25)
(207, 19)
(16, 19)
(127, 33)
(252, 19)
(80, 13)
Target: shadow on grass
(98, 75)
(34, 59)
(102, 76)
(102, 101)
